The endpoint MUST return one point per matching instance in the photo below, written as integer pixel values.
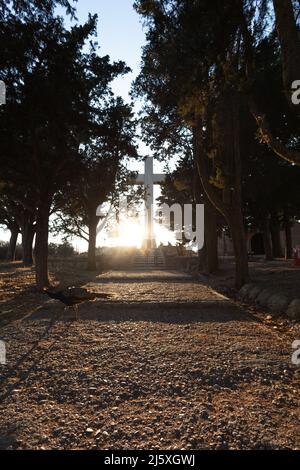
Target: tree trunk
(208, 257)
(41, 244)
(211, 239)
(27, 242)
(227, 143)
(276, 239)
(93, 223)
(240, 249)
(267, 240)
(202, 256)
(11, 252)
(288, 235)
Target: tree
(288, 35)
(8, 220)
(289, 39)
(182, 186)
(99, 174)
(55, 89)
(63, 250)
(18, 207)
(202, 64)
(25, 8)
(269, 185)
(191, 68)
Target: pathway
(167, 364)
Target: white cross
(149, 179)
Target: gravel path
(141, 372)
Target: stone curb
(269, 298)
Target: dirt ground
(167, 363)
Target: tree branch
(200, 155)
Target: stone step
(151, 261)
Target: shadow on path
(164, 312)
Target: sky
(120, 35)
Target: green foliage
(194, 63)
(61, 131)
(34, 8)
(100, 173)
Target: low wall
(80, 262)
(182, 263)
(121, 261)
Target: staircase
(153, 259)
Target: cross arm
(159, 178)
(140, 179)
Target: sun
(131, 233)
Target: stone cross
(149, 179)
